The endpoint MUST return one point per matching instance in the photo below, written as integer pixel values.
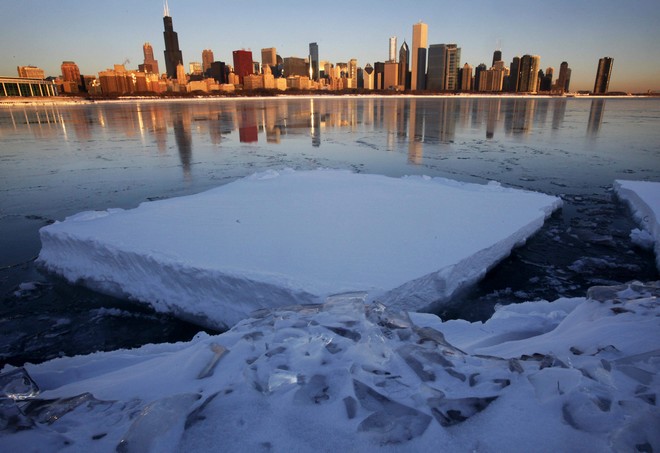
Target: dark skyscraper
(173, 54)
(435, 80)
(421, 69)
(564, 79)
(497, 56)
(243, 63)
(514, 75)
(404, 59)
(603, 74)
(314, 61)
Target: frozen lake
(60, 160)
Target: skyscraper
(453, 57)
(207, 60)
(603, 75)
(392, 53)
(436, 71)
(497, 56)
(242, 63)
(529, 73)
(314, 71)
(150, 64)
(564, 78)
(404, 59)
(269, 57)
(70, 72)
(514, 75)
(420, 41)
(173, 55)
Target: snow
(577, 374)
(643, 197)
(296, 237)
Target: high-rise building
(195, 68)
(392, 53)
(564, 78)
(218, 71)
(497, 56)
(150, 64)
(603, 75)
(207, 60)
(437, 55)
(368, 77)
(420, 41)
(181, 74)
(404, 60)
(173, 55)
(242, 63)
(295, 66)
(514, 75)
(314, 70)
(391, 75)
(466, 78)
(33, 72)
(269, 57)
(70, 72)
(529, 73)
(443, 60)
(352, 71)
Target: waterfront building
(379, 75)
(497, 56)
(352, 72)
(603, 75)
(173, 55)
(418, 65)
(181, 74)
(207, 60)
(564, 78)
(529, 73)
(294, 66)
(479, 74)
(404, 73)
(392, 52)
(391, 75)
(466, 77)
(443, 66)
(453, 59)
(368, 77)
(31, 72)
(269, 57)
(242, 63)
(26, 87)
(150, 64)
(314, 70)
(195, 67)
(219, 72)
(514, 75)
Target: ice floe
(295, 237)
(576, 374)
(643, 197)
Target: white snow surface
(577, 374)
(643, 197)
(292, 237)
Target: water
(60, 160)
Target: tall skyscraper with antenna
(173, 55)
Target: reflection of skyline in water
(406, 121)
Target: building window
(11, 89)
(25, 89)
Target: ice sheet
(644, 200)
(279, 238)
(572, 375)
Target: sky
(98, 35)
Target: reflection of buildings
(595, 116)
(558, 113)
(415, 132)
(247, 124)
(518, 117)
(183, 137)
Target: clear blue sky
(97, 34)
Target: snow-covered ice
(295, 237)
(576, 374)
(643, 197)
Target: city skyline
(578, 32)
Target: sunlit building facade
(418, 64)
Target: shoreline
(59, 100)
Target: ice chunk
(295, 238)
(18, 385)
(643, 197)
(155, 420)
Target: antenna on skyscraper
(499, 44)
(166, 9)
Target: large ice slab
(643, 197)
(576, 374)
(288, 237)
